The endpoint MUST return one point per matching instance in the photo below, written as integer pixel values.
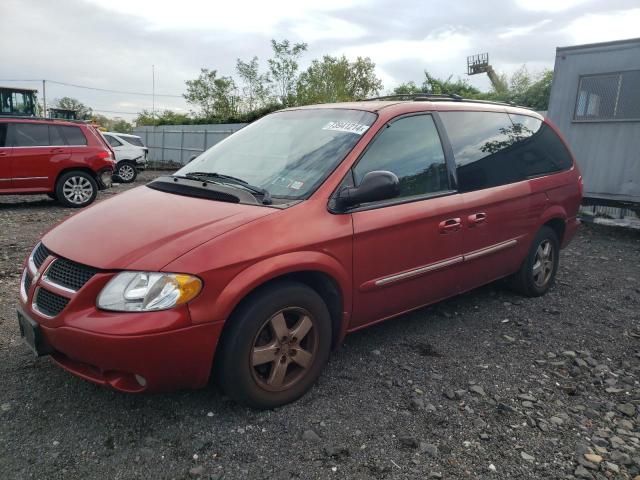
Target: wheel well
(323, 284)
(558, 226)
(77, 169)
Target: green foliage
(408, 88)
(334, 79)
(214, 96)
(166, 117)
(438, 86)
(83, 112)
(283, 68)
(121, 126)
(255, 92)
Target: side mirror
(375, 186)
(192, 158)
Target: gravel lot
(486, 385)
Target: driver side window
(409, 147)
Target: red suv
(69, 161)
(255, 259)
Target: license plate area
(31, 334)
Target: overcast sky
(112, 44)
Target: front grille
(40, 255)
(69, 274)
(49, 303)
(27, 282)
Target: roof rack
(29, 117)
(436, 97)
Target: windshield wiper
(266, 195)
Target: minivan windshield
(289, 154)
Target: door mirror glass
(375, 186)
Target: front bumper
(154, 362)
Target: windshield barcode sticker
(349, 127)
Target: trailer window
(606, 97)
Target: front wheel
(538, 271)
(126, 172)
(276, 346)
(76, 189)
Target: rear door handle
(3, 154)
(477, 218)
(450, 225)
(57, 150)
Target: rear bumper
(104, 178)
(154, 362)
(570, 229)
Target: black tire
(52, 196)
(76, 189)
(126, 172)
(536, 283)
(251, 328)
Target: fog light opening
(141, 380)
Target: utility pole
(153, 93)
(44, 98)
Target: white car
(131, 155)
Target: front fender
(268, 269)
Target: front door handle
(3, 154)
(450, 225)
(477, 218)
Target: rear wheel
(76, 189)
(126, 172)
(538, 272)
(276, 346)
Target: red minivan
(69, 161)
(251, 262)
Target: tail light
(105, 154)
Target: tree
(215, 96)
(284, 67)
(439, 86)
(408, 88)
(335, 79)
(83, 112)
(121, 125)
(166, 117)
(255, 91)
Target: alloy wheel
(284, 349)
(126, 172)
(543, 263)
(77, 190)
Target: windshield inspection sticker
(297, 185)
(349, 127)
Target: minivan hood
(145, 229)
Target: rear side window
(55, 137)
(28, 134)
(3, 134)
(133, 141)
(113, 141)
(73, 135)
(409, 147)
(493, 149)
(540, 150)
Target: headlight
(148, 291)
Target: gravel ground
(486, 385)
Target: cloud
(112, 44)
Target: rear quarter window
(133, 141)
(73, 135)
(493, 148)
